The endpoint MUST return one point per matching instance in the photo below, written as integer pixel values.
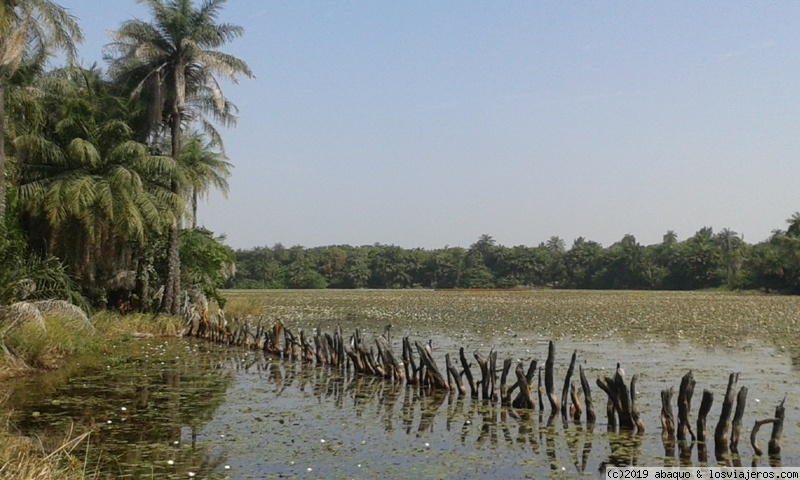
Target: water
(168, 409)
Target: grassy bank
(32, 347)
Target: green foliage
(25, 275)
(206, 262)
(706, 260)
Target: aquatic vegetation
(180, 406)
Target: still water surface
(167, 409)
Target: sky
(426, 124)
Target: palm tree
(669, 238)
(29, 28)
(173, 58)
(730, 243)
(794, 225)
(204, 167)
(85, 179)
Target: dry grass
(114, 326)
(244, 303)
(23, 458)
(30, 346)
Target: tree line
(101, 169)
(706, 260)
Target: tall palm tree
(173, 57)
(205, 166)
(29, 27)
(86, 179)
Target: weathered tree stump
(519, 400)
(493, 375)
(587, 397)
(575, 409)
(565, 392)
(736, 424)
(485, 382)
(505, 396)
(473, 389)
(685, 393)
(774, 446)
(622, 403)
(637, 419)
(409, 364)
(548, 378)
(702, 414)
(453, 372)
(525, 397)
(667, 417)
(721, 439)
(392, 365)
(436, 379)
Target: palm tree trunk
(194, 208)
(172, 287)
(2, 153)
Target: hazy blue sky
(424, 124)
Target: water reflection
(144, 406)
(419, 412)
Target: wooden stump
(721, 439)
(587, 397)
(525, 397)
(436, 378)
(505, 395)
(667, 417)
(736, 424)
(473, 390)
(620, 401)
(705, 407)
(774, 446)
(685, 393)
(453, 371)
(485, 382)
(565, 392)
(548, 378)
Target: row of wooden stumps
(727, 431)
(417, 367)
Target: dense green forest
(102, 169)
(704, 260)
